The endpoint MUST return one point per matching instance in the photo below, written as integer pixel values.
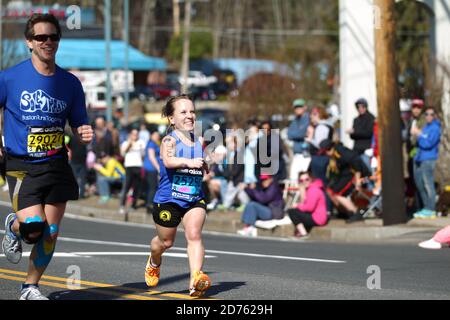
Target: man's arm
(84, 134)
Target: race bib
(187, 184)
(44, 142)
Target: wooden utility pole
(176, 17)
(185, 60)
(393, 186)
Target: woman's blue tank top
(182, 186)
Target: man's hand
(85, 133)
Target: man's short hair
(40, 17)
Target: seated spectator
(266, 204)
(312, 209)
(234, 173)
(215, 179)
(345, 173)
(109, 171)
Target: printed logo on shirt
(41, 101)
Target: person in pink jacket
(440, 239)
(312, 209)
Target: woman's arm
(169, 159)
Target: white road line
(109, 253)
(233, 253)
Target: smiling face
(44, 51)
(183, 117)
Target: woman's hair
(323, 114)
(169, 107)
(40, 17)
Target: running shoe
(430, 244)
(201, 283)
(425, 214)
(32, 293)
(151, 274)
(11, 244)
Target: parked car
(197, 79)
(202, 93)
(164, 90)
(212, 118)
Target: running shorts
(170, 214)
(42, 183)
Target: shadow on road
(115, 292)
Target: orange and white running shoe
(201, 283)
(151, 274)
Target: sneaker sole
(202, 284)
(7, 257)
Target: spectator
(215, 179)
(362, 131)
(297, 133)
(312, 209)
(109, 172)
(440, 239)
(428, 140)
(144, 134)
(234, 173)
(103, 138)
(133, 151)
(151, 167)
(115, 138)
(266, 204)
(345, 172)
(417, 121)
(250, 152)
(275, 161)
(321, 130)
(78, 163)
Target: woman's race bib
(187, 184)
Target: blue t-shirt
(182, 186)
(36, 108)
(148, 165)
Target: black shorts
(40, 183)
(342, 185)
(170, 214)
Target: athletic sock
(27, 285)
(153, 265)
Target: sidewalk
(370, 230)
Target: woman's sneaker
(11, 244)
(430, 244)
(151, 274)
(32, 292)
(201, 283)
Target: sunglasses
(429, 113)
(304, 180)
(45, 37)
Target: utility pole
(176, 17)
(107, 17)
(185, 60)
(393, 187)
(126, 39)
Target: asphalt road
(110, 259)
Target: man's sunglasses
(429, 113)
(45, 37)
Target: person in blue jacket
(428, 139)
